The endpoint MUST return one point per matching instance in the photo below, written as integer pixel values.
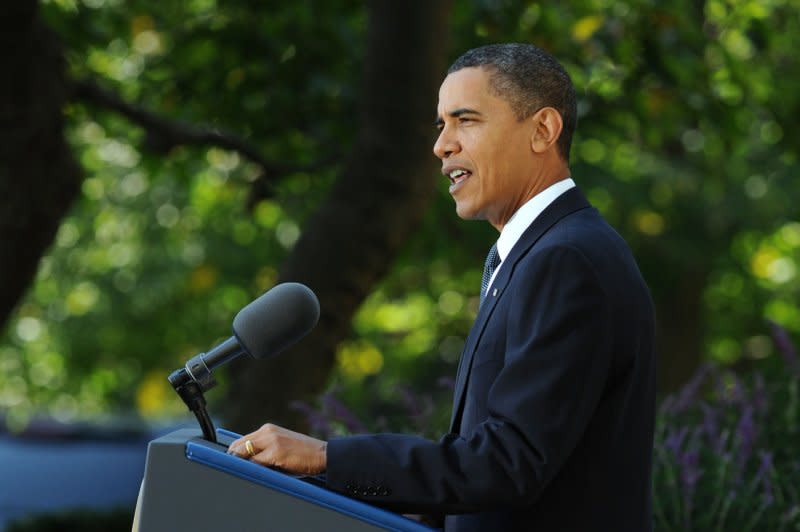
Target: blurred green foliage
(686, 143)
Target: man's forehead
(465, 88)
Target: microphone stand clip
(190, 382)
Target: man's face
(485, 151)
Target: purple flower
(691, 390)
(785, 346)
(763, 475)
(674, 440)
(711, 428)
(338, 410)
(690, 471)
(746, 433)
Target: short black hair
(528, 78)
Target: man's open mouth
(457, 176)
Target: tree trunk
(679, 316)
(385, 186)
(39, 179)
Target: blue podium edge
(202, 452)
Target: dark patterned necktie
(492, 261)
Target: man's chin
(465, 212)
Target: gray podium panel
(192, 485)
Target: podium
(191, 484)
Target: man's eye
(464, 119)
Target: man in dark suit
(553, 413)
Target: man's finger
(239, 447)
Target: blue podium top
(213, 455)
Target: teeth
(456, 173)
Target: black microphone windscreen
(276, 320)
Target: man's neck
(544, 185)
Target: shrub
(726, 451)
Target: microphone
(276, 320)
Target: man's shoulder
(583, 235)
(583, 229)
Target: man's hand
(276, 446)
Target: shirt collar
(526, 214)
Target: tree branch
(164, 134)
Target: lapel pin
(494, 292)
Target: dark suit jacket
(554, 403)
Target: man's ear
(547, 128)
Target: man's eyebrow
(457, 113)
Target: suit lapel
(569, 202)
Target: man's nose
(445, 145)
